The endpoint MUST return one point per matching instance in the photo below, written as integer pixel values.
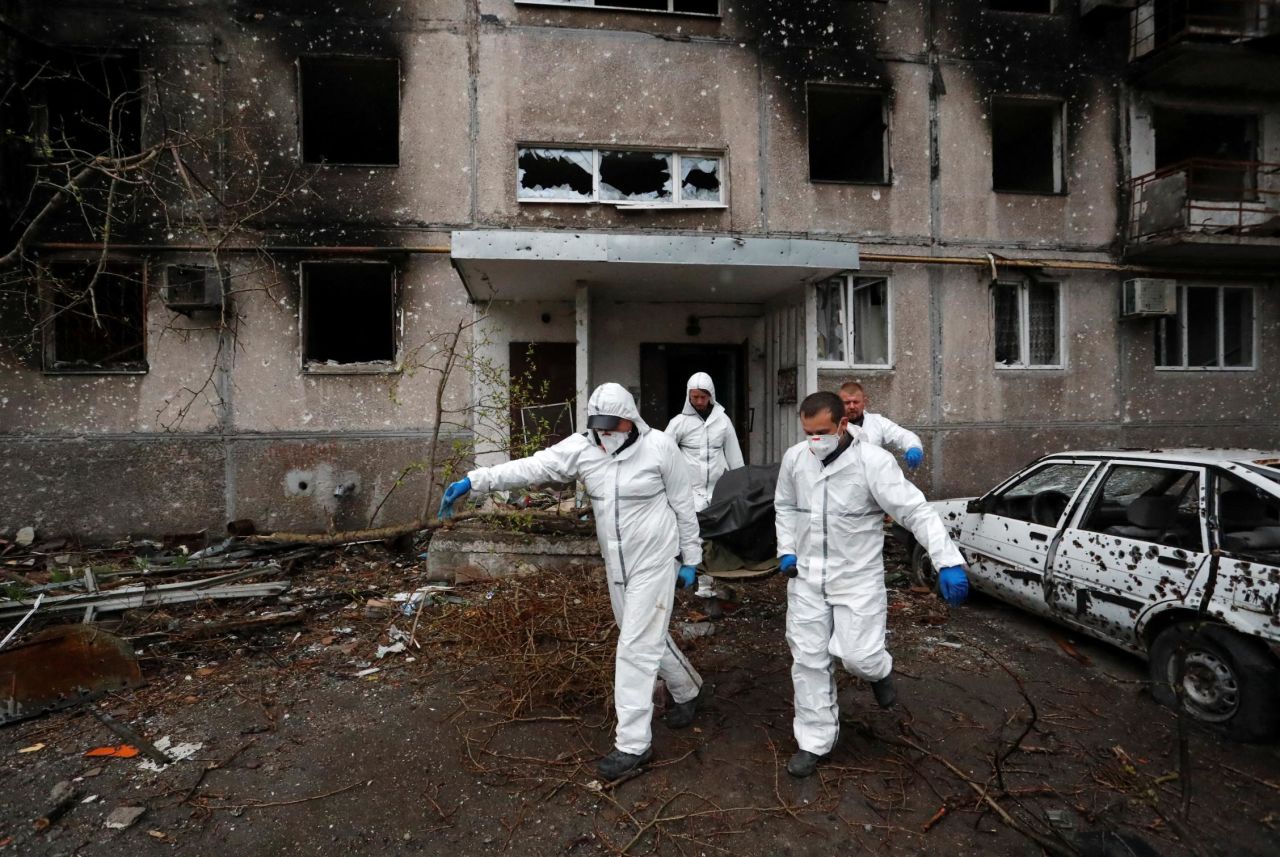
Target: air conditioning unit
(1106, 7)
(195, 288)
(1146, 297)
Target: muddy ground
(1015, 738)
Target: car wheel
(922, 571)
(1222, 679)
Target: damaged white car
(1173, 555)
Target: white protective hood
(613, 400)
(700, 381)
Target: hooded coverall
(644, 519)
(832, 519)
(879, 430)
(709, 445)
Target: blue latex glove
(953, 585)
(913, 457)
(452, 493)
(687, 576)
(787, 565)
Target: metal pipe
(983, 262)
(350, 250)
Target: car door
(1010, 542)
(1138, 542)
(1245, 526)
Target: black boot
(886, 693)
(618, 763)
(681, 714)
(804, 763)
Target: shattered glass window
(830, 320)
(97, 318)
(1212, 330)
(870, 307)
(699, 179)
(556, 174)
(635, 176)
(1008, 347)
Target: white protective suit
(644, 517)
(879, 430)
(832, 519)
(710, 446)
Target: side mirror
(977, 506)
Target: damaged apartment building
(1023, 225)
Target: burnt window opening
(87, 104)
(635, 176)
(848, 135)
(1218, 150)
(1039, 7)
(350, 110)
(95, 323)
(687, 7)
(628, 178)
(1026, 146)
(556, 174)
(348, 315)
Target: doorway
(543, 394)
(665, 369)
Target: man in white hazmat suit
(877, 429)
(833, 491)
(706, 437)
(643, 504)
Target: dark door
(543, 394)
(665, 369)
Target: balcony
(1206, 44)
(1206, 210)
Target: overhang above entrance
(504, 264)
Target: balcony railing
(1156, 24)
(1206, 196)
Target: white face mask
(823, 445)
(611, 442)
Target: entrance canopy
(505, 264)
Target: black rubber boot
(886, 693)
(681, 714)
(618, 763)
(804, 763)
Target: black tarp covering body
(740, 515)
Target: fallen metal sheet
(130, 597)
(61, 667)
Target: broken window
(848, 135)
(96, 320)
(87, 104)
(1218, 151)
(624, 177)
(1149, 504)
(348, 315)
(1043, 7)
(689, 7)
(853, 318)
(1026, 145)
(1055, 484)
(635, 176)
(1212, 330)
(1028, 325)
(350, 111)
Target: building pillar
(582, 364)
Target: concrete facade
(228, 422)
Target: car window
(1248, 519)
(1150, 504)
(1041, 497)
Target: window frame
(605, 6)
(1201, 472)
(298, 95)
(1183, 328)
(365, 367)
(677, 193)
(849, 279)
(1024, 327)
(48, 334)
(1060, 147)
(886, 116)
